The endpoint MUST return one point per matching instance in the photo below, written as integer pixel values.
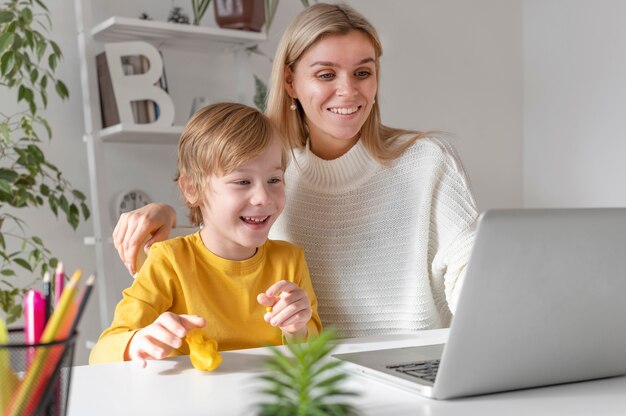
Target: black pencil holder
(49, 395)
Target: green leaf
(5, 187)
(6, 16)
(14, 314)
(78, 194)
(8, 174)
(37, 240)
(52, 62)
(73, 216)
(27, 15)
(36, 153)
(23, 263)
(64, 204)
(44, 100)
(260, 94)
(85, 210)
(53, 203)
(7, 62)
(44, 189)
(34, 75)
(56, 48)
(44, 122)
(7, 272)
(5, 132)
(29, 39)
(40, 3)
(6, 40)
(62, 90)
(41, 50)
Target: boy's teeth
(256, 220)
(344, 110)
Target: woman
(385, 216)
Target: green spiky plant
(28, 62)
(305, 381)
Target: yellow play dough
(203, 351)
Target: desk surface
(174, 387)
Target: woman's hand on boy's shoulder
(159, 339)
(290, 307)
(135, 227)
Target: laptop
(542, 303)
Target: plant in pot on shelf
(260, 87)
(28, 62)
(199, 9)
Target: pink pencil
(59, 283)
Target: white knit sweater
(386, 246)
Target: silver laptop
(543, 303)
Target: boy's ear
(188, 190)
(289, 82)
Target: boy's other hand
(291, 308)
(160, 338)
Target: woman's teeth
(344, 111)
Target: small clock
(129, 200)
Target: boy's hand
(291, 309)
(158, 339)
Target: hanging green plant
(306, 382)
(28, 62)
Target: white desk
(174, 387)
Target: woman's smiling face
(335, 82)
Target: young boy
(231, 162)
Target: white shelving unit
(163, 35)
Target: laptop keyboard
(426, 370)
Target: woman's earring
(293, 106)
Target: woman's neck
(331, 149)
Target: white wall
(451, 65)
(574, 102)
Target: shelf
(174, 35)
(141, 133)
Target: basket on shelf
(35, 377)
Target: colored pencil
(84, 297)
(59, 283)
(28, 395)
(47, 293)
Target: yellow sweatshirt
(182, 276)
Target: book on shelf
(144, 111)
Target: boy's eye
(363, 74)
(275, 180)
(242, 182)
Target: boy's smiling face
(239, 208)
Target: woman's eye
(327, 75)
(363, 74)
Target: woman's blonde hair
(311, 25)
(217, 140)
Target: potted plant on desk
(305, 381)
(28, 61)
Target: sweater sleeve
(314, 325)
(150, 295)
(454, 216)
